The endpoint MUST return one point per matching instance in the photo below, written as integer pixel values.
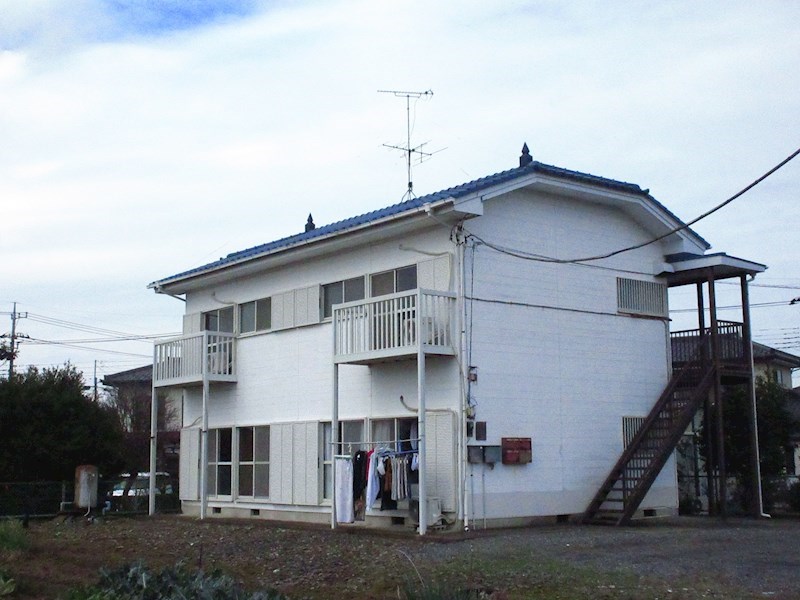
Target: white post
(423, 491)
(151, 507)
(204, 431)
(334, 438)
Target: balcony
(694, 343)
(187, 359)
(395, 326)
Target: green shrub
(7, 585)
(12, 535)
(137, 582)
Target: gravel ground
(666, 558)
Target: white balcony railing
(394, 325)
(181, 360)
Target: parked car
(138, 494)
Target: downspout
(463, 368)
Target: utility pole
(15, 316)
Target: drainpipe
(463, 504)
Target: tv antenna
(409, 150)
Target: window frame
(266, 307)
(326, 308)
(327, 452)
(217, 314)
(259, 464)
(216, 464)
(397, 274)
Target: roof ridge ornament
(525, 158)
(310, 223)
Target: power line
(78, 347)
(541, 258)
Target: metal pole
(153, 449)
(204, 431)
(756, 501)
(708, 409)
(334, 435)
(423, 476)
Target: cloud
(48, 27)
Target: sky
(142, 138)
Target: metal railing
(395, 323)
(181, 360)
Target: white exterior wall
(555, 361)
(285, 377)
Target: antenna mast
(408, 149)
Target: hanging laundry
(373, 483)
(344, 489)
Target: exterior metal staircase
(636, 470)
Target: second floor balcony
(189, 359)
(395, 326)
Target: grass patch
(12, 535)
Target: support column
(422, 446)
(756, 500)
(204, 433)
(708, 410)
(722, 486)
(334, 439)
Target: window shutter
(434, 273)
(305, 474)
(189, 467)
(440, 458)
(193, 323)
(306, 305)
(280, 468)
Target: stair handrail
(617, 471)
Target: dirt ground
(685, 557)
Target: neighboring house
(492, 329)
(132, 400)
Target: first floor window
(253, 466)
(351, 439)
(220, 463)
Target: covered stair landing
(703, 359)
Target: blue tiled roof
(456, 192)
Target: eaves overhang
(694, 268)
(308, 245)
(459, 202)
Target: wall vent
(640, 297)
